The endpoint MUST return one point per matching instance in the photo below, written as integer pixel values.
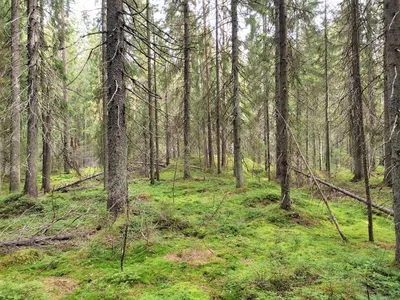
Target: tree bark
(116, 131)
(104, 88)
(283, 109)
(186, 97)
(46, 163)
(150, 96)
(278, 146)
(235, 97)
(218, 94)
(157, 139)
(31, 184)
(267, 154)
(66, 157)
(327, 127)
(167, 131)
(361, 147)
(15, 144)
(392, 12)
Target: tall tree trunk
(267, 154)
(387, 90)
(167, 131)
(223, 104)
(283, 109)
(104, 88)
(15, 144)
(186, 97)
(116, 131)
(157, 140)
(278, 145)
(392, 8)
(31, 184)
(235, 97)
(66, 157)
(327, 127)
(218, 94)
(46, 163)
(357, 92)
(150, 97)
(208, 92)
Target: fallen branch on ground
(347, 193)
(76, 182)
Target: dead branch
(76, 182)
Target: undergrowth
(197, 239)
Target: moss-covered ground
(198, 239)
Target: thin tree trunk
(267, 154)
(392, 12)
(46, 163)
(186, 98)
(278, 145)
(218, 94)
(157, 140)
(116, 133)
(167, 131)
(150, 97)
(327, 127)
(235, 97)
(66, 157)
(357, 90)
(31, 184)
(104, 88)
(283, 109)
(15, 144)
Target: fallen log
(76, 182)
(347, 193)
(38, 240)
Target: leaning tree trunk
(116, 131)
(186, 96)
(15, 144)
(283, 109)
(31, 184)
(67, 168)
(392, 8)
(235, 97)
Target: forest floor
(198, 239)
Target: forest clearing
(202, 149)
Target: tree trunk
(278, 145)
(15, 144)
(267, 154)
(283, 109)
(116, 131)
(31, 184)
(357, 93)
(235, 97)
(186, 98)
(46, 163)
(392, 8)
(104, 88)
(327, 127)
(167, 131)
(150, 97)
(157, 140)
(66, 157)
(218, 94)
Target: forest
(178, 149)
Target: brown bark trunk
(104, 88)
(15, 144)
(186, 98)
(283, 111)
(278, 146)
(31, 184)
(150, 97)
(116, 131)
(267, 154)
(392, 8)
(157, 140)
(167, 132)
(327, 127)
(218, 94)
(46, 163)
(235, 97)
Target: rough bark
(15, 143)
(235, 98)
(278, 146)
(150, 96)
(283, 109)
(361, 147)
(157, 139)
(104, 88)
(392, 11)
(66, 157)
(31, 184)
(218, 93)
(167, 132)
(327, 127)
(46, 162)
(116, 131)
(267, 154)
(186, 97)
